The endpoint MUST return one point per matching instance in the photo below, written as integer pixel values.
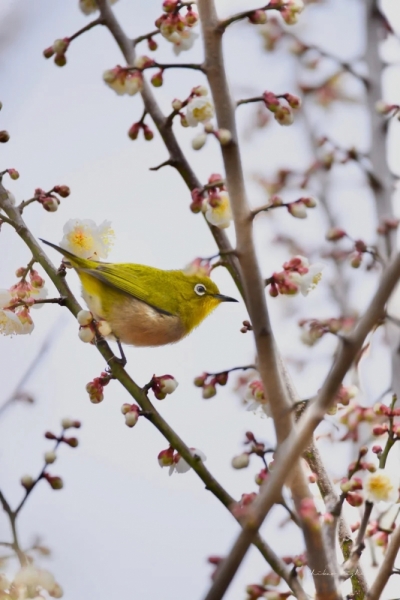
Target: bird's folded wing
(132, 280)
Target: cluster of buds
(135, 129)
(254, 447)
(360, 248)
(172, 459)
(297, 208)
(124, 80)
(352, 416)
(387, 225)
(55, 482)
(177, 27)
(49, 200)
(88, 327)
(289, 9)
(314, 329)
(297, 276)
(379, 536)
(213, 201)
(131, 413)
(283, 112)
(95, 388)
(15, 303)
(162, 386)
(208, 382)
(388, 414)
(58, 50)
(388, 110)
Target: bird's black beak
(223, 298)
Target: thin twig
(387, 565)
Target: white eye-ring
(200, 289)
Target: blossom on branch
(86, 239)
(199, 110)
(218, 210)
(381, 487)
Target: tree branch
(270, 366)
(139, 395)
(387, 566)
(297, 441)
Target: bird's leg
(123, 360)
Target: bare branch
(386, 569)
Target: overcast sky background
(121, 526)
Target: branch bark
(272, 371)
(386, 568)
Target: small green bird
(145, 306)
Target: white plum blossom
(38, 294)
(199, 110)
(90, 6)
(381, 487)
(256, 400)
(187, 37)
(181, 466)
(33, 578)
(307, 281)
(220, 213)
(86, 239)
(5, 298)
(10, 324)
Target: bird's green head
(198, 297)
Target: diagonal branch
(386, 569)
(141, 398)
(298, 441)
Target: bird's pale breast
(136, 323)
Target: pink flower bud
(73, 442)
(293, 101)
(297, 210)
(209, 391)
(61, 46)
(200, 380)
(258, 17)
(50, 203)
(60, 60)
(55, 482)
(176, 104)
(134, 131)
(50, 436)
(241, 461)
(224, 136)
(27, 482)
(271, 101)
(152, 44)
(13, 173)
(166, 457)
(132, 417)
(170, 5)
(334, 234)
(312, 478)
(48, 52)
(380, 429)
(157, 79)
(376, 449)
(147, 133)
(284, 115)
(354, 499)
(191, 17)
(163, 385)
(62, 190)
(261, 477)
(356, 260)
(86, 335)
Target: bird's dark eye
(200, 289)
